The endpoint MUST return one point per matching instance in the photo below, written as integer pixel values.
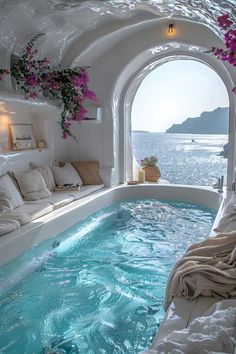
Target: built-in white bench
(32, 210)
(22, 217)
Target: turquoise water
(181, 160)
(99, 286)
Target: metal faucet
(220, 183)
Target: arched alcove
(132, 85)
(117, 72)
(171, 93)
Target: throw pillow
(10, 197)
(88, 171)
(66, 175)
(32, 185)
(47, 174)
(5, 201)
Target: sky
(175, 91)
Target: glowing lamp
(171, 29)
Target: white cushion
(47, 174)
(10, 197)
(5, 202)
(27, 212)
(66, 175)
(32, 185)
(7, 225)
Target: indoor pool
(99, 287)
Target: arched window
(180, 114)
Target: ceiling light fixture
(171, 29)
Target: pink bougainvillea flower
(33, 95)
(84, 76)
(89, 95)
(55, 85)
(69, 85)
(69, 116)
(81, 114)
(33, 80)
(77, 81)
(68, 123)
(65, 135)
(224, 21)
(229, 53)
(149, 161)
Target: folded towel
(208, 268)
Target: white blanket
(213, 333)
(207, 268)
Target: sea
(184, 158)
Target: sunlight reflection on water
(181, 160)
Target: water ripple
(103, 292)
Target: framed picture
(22, 136)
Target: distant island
(214, 122)
(140, 131)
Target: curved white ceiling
(64, 22)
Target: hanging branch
(68, 86)
(229, 53)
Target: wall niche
(23, 124)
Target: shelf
(8, 152)
(41, 102)
(89, 121)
